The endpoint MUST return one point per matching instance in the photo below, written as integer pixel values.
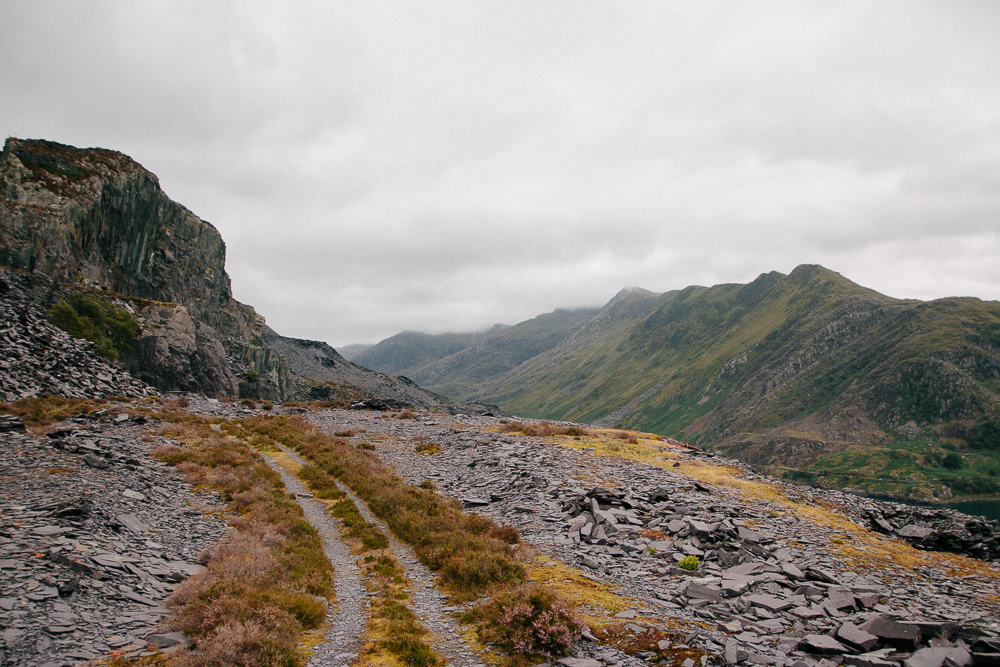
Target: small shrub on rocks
(529, 621)
(689, 563)
(429, 447)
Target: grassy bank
(473, 556)
(264, 584)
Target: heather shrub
(264, 583)
(541, 430)
(428, 447)
(512, 427)
(506, 533)
(530, 621)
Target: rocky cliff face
(96, 219)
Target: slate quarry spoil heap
(94, 536)
(773, 586)
(39, 359)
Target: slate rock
(580, 662)
(700, 592)
(892, 633)
(854, 636)
(936, 657)
(822, 645)
(168, 639)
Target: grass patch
(593, 598)
(369, 534)
(393, 627)
(266, 582)
(38, 413)
(428, 447)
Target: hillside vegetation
(456, 364)
(807, 371)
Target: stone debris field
(95, 535)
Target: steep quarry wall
(96, 219)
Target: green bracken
(111, 329)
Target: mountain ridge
(786, 370)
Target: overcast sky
(375, 167)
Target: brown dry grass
(264, 584)
(40, 413)
(876, 550)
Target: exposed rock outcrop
(181, 353)
(95, 218)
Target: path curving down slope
(428, 603)
(347, 618)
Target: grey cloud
(379, 166)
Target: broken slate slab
(822, 644)
(854, 636)
(894, 634)
(168, 639)
(936, 657)
(132, 523)
(701, 592)
(580, 662)
(769, 602)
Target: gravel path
(347, 617)
(428, 603)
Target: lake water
(987, 508)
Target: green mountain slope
(784, 371)
(405, 352)
(499, 351)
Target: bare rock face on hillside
(183, 353)
(96, 219)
